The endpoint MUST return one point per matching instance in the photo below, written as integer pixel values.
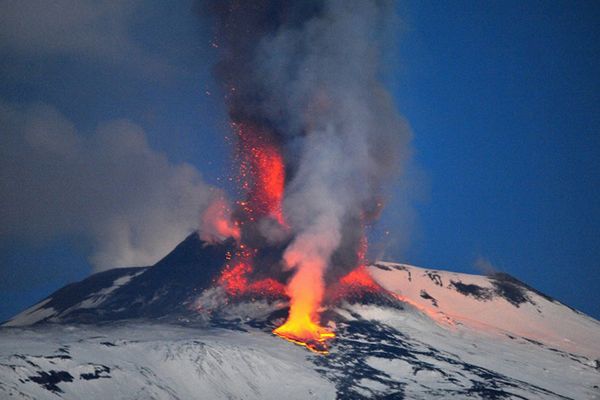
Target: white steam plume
(130, 202)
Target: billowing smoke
(307, 75)
(216, 223)
(108, 187)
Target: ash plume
(108, 187)
(308, 74)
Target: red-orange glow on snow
(432, 313)
(262, 174)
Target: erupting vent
(262, 181)
(262, 173)
(316, 135)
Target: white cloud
(107, 186)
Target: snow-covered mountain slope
(161, 291)
(154, 361)
(378, 353)
(165, 332)
(495, 304)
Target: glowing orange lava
(358, 281)
(306, 290)
(304, 331)
(262, 179)
(237, 282)
(262, 174)
(360, 278)
(234, 278)
(353, 285)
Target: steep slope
(153, 361)
(162, 290)
(166, 332)
(495, 304)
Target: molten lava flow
(305, 290)
(262, 179)
(302, 330)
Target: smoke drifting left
(316, 138)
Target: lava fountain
(262, 180)
(316, 135)
(261, 174)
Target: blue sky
(504, 102)
(502, 98)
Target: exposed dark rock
(50, 380)
(100, 371)
(476, 291)
(427, 296)
(435, 277)
(510, 289)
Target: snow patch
(32, 315)
(482, 303)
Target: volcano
(170, 331)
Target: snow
(32, 315)
(99, 297)
(40, 312)
(555, 373)
(155, 361)
(450, 336)
(541, 320)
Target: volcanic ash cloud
(307, 76)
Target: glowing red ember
(262, 173)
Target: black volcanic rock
(163, 289)
(157, 291)
(75, 293)
(137, 335)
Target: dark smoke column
(305, 75)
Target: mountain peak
(170, 331)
